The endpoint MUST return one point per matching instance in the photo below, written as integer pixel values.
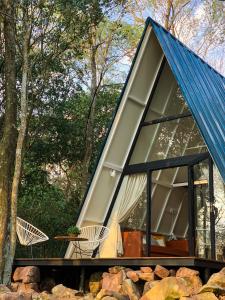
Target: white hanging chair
(95, 235)
(28, 234)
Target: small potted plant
(73, 231)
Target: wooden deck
(69, 271)
(128, 262)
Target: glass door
(204, 213)
(175, 212)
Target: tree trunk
(20, 142)
(167, 15)
(8, 141)
(90, 122)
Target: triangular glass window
(169, 129)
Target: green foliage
(59, 104)
(61, 129)
(44, 205)
(64, 35)
(45, 197)
(73, 230)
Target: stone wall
(119, 283)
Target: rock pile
(120, 283)
(25, 283)
(159, 284)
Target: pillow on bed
(158, 240)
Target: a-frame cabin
(158, 184)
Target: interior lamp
(112, 173)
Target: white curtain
(128, 196)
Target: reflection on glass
(169, 203)
(219, 197)
(133, 225)
(203, 238)
(169, 139)
(175, 138)
(168, 105)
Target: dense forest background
(71, 61)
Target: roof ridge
(149, 20)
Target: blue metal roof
(203, 89)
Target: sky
(192, 26)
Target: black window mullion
(166, 119)
(191, 211)
(212, 210)
(148, 215)
(166, 163)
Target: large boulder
(204, 296)
(105, 293)
(30, 274)
(192, 278)
(28, 287)
(186, 272)
(115, 269)
(149, 285)
(161, 272)
(132, 275)
(62, 292)
(130, 289)
(113, 281)
(168, 288)
(146, 269)
(147, 276)
(194, 283)
(216, 283)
